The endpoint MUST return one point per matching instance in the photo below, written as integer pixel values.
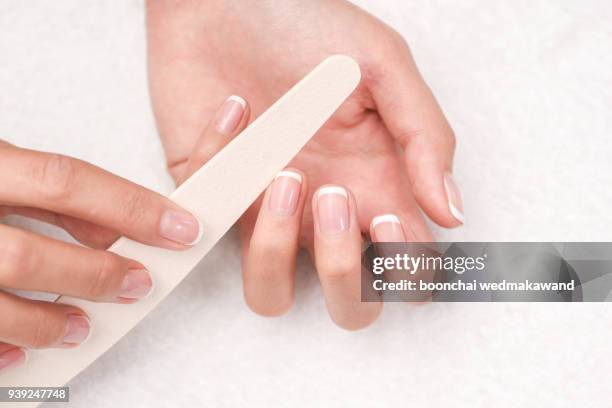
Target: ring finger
(337, 247)
(11, 356)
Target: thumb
(414, 118)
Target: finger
(92, 235)
(390, 233)
(230, 119)
(11, 356)
(269, 268)
(4, 347)
(32, 262)
(338, 258)
(413, 116)
(36, 324)
(387, 228)
(69, 186)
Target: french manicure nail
(388, 228)
(230, 114)
(137, 284)
(455, 204)
(12, 358)
(285, 192)
(77, 330)
(180, 227)
(332, 205)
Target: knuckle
(135, 207)
(57, 175)
(102, 240)
(103, 275)
(395, 39)
(268, 249)
(15, 259)
(43, 332)
(201, 156)
(392, 43)
(342, 270)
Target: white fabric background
(527, 86)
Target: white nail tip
(286, 173)
(89, 332)
(456, 213)
(386, 218)
(238, 99)
(332, 190)
(200, 234)
(150, 289)
(454, 210)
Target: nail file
(218, 194)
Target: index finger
(73, 187)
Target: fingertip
(293, 173)
(285, 196)
(230, 117)
(78, 330)
(453, 196)
(12, 358)
(333, 211)
(366, 317)
(240, 100)
(200, 233)
(437, 194)
(181, 228)
(138, 284)
(387, 228)
(26, 356)
(269, 307)
(433, 201)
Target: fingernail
(137, 284)
(388, 228)
(77, 330)
(285, 192)
(332, 205)
(455, 204)
(180, 227)
(230, 115)
(13, 358)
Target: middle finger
(337, 246)
(32, 262)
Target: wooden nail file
(218, 194)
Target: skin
(66, 192)
(389, 145)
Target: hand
(202, 51)
(95, 207)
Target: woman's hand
(95, 207)
(388, 150)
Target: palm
(353, 149)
